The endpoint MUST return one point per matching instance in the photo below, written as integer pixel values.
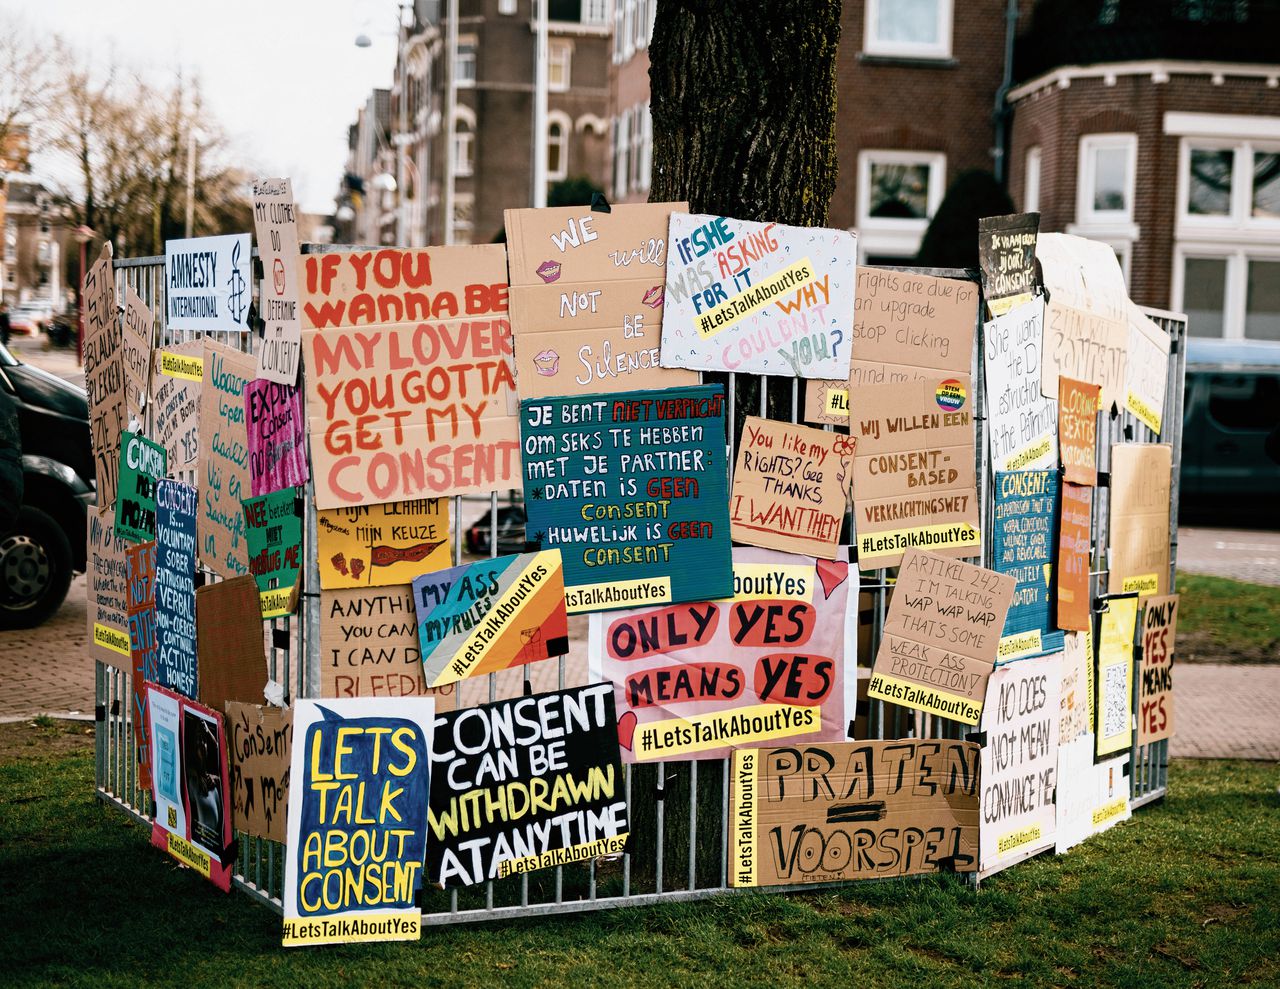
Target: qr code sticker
(1115, 693)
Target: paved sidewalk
(47, 670)
(1222, 712)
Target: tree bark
(743, 97)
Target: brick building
(630, 123)
(1155, 127)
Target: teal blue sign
(1024, 535)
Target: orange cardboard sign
(1078, 430)
(585, 320)
(789, 488)
(1074, 543)
(401, 410)
(913, 475)
(261, 741)
(1141, 476)
(853, 810)
(941, 636)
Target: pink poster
(277, 444)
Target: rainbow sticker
(950, 395)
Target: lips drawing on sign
(653, 297)
(548, 271)
(384, 556)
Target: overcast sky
(283, 77)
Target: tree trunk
(743, 97)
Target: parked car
(47, 544)
(511, 535)
(1231, 410)
(29, 317)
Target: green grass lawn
(1186, 894)
(1228, 619)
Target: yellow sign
(181, 366)
(753, 299)
(939, 702)
(927, 537)
(111, 638)
(677, 737)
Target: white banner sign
(208, 282)
(1022, 423)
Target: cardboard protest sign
(697, 680)
(524, 784)
(276, 225)
(224, 460)
(913, 472)
(1024, 544)
(1075, 541)
(1155, 685)
(261, 745)
(233, 661)
(175, 586)
(273, 529)
(1022, 423)
(491, 615)
(1086, 331)
(758, 297)
(1076, 694)
(208, 283)
(587, 320)
(369, 646)
(191, 785)
(142, 463)
(632, 490)
(139, 325)
(1138, 556)
(140, 563)
(1019, 761)
(1115, 675)
(1007, 257)
(789, 487)
(826, 402)
(853, 810)
(176, 375)
(381, 545)
(1146, 370)
(107, 594)
(910, 326)
(277, 436)
(410, 391)
(1078, 430)
(1092, 797)
(104, 381)
(359, 777)
(941, 636)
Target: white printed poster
(762, 298)
(1146, 372)
(1019, 761)
(1022, 423)
(276, 224)
(208, 282)
(166, 761)
(1091, 797)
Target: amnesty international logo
(236, 301)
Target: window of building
(557, 147)
(628, 27)
(464, 209)
(898, 191)
(1031, 181)
(1105, 187)
(621, 153)
(908, 28)
(465, 63)
(646, 155)
(595, 12)
(1231, 292)
(559, 56)
(507, 6)
(1262, 299)
(464, 142)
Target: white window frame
(628, 28)
(464, 142)
(892, 235)
(468, 81)
(559, 56)
(1239, 221)
(1120, 221)
(621, 149)
(646, 154)
(872, 45)
(507, 7)
(1235, 295)
(560, 119)
(1031, 180)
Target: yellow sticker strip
(1039, 448)
(618, 593)
(561, 856)
(275, 603)
(402, 925)
(1150, 418)
(181, 366)
(1017, 839)
(1019, 645)
(111, 638)
(931, 537)
(939, 702)
(837, 403)
(675, 737)
(1110, 811)
(751, 300)
(188, 854)
(1144, 584)
(746, 819)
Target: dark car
(1232, 412)
(511, 536)
(46, 545)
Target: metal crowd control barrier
(679, 850)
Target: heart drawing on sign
(832, 573)
(627, 729)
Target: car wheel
(35, 569)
